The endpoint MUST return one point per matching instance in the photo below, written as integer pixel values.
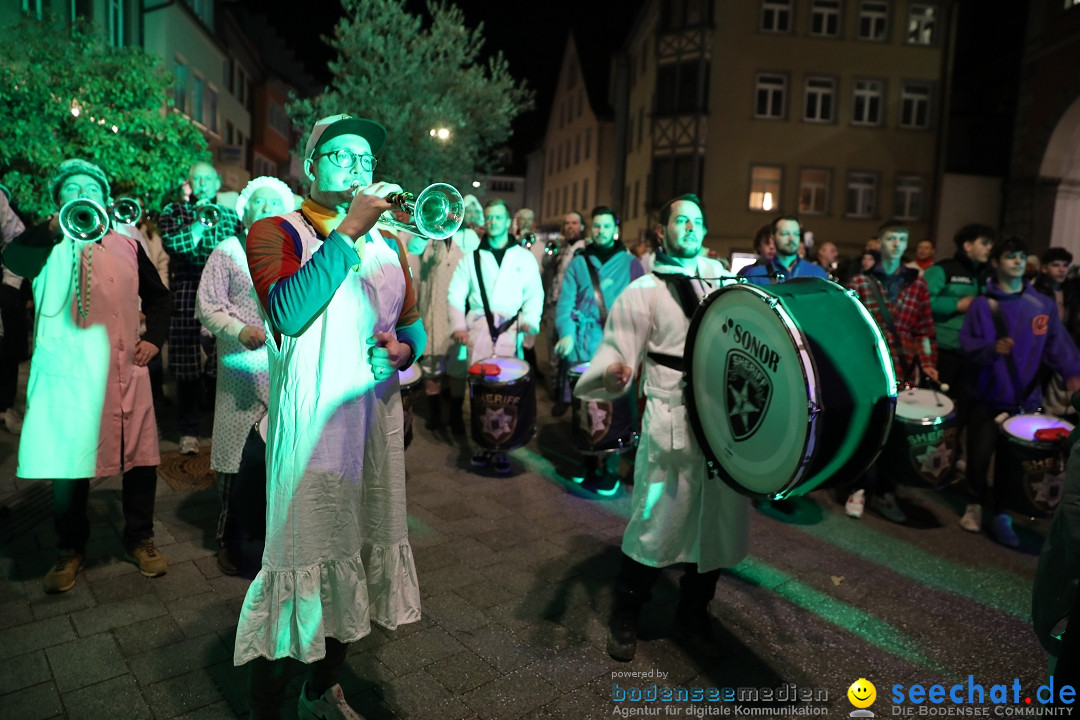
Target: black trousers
(634, 583)
(70, 498)
(15, 345)
(982, 435)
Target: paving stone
(218, 711)
(204, 613)
(497, 646)
(117, 614)
(148, 634)
(510, 696)
(33, 703)
(86, 661)
(121, 587)
(452, 612)
(416, 651)
(575, 666)
(47, 605)
(116, 698)
(167, 661)
(35, 635)
(425, 698)
(182, 694)
(14, 613)
(182, 580)
(462, 672)
(22, 671)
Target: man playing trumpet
(341, 320)
(191, 233)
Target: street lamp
(441, 133)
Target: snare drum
(410, 379)
(788, 387)
(923, 444)
(1028, 473)
(602, 427)
(503, 405)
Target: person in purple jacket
(786, 235)
(1008, 335)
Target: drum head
(920, 406)
(1022, 428)
(579, 369)
(510, 369)
(750, 385)
(410, 376)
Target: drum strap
(774, 277)
(886, 315)
(683, 289)
(594, 275)
(1002, 331)
(495, 330)
(670, 361)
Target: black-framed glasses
(345, 159)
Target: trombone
(437, 212)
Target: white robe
(679, 514)
(512, 287)
(437, 265)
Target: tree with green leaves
(417, 74)
(65, 93)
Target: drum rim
(812, 385)
(925, 420)
(485, 378)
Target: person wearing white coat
(515, 297)
(678, 514)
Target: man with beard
(678, 515)
(595, 278)
(785, 233)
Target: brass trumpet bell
(126, 211)
(437, 212)
(208, 215)
(84, 220)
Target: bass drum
(788, 387)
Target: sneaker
(972, 519)
(559, 409)
(149, 559)
(480, 459)
(331, 706)
(61, 576)
(856, 503)
(1003, 531)
(886, 506)
(501, 464)
(12, 420)
(230, 560)
(603, 484)
(189, 445)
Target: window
(242, 86)
(228, 72)
(577, 148)
(671, 176)
(909, 197)
(588, 141)
(640, 125)
(573, 197)
(776, 16)
(869, 95)
(33, 7)
(180, 70)
(677, 88)
(581, 102)
(915, 106)
(211, 110)
(765, 187)
(629, 134)
(873, 20)
(861, 195)
(771, 96)
(825, 18)
(637, 189)
(277, 119)
(550, 161)
(585, 193)
(680, 14)
(645, 55)
(547, 203)
(197, 98)
(116, 23)
(920, 25)
(820, 100)
(814, 192)
(229, 130)
(564, 206)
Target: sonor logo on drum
(749, 391)
(765, 354)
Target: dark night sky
(531, 35)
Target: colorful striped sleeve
(293, 293)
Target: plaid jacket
(189, 255)
(909, 305)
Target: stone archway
(1059, 178)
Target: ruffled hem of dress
(287, 613)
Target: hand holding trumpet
(365, 208)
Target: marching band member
(89, 409)
(341, 321)
(678, 515)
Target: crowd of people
(298, 317)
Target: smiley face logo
(862, 693)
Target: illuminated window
(776, 16)
(861, 195)
(868, 100)
(825, 18)
(874, 20)
(909, 197)
(771, 97)
(920, 26)
(765, 188)
(820, 100)
(814, 192)
(915, 106)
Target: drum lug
(814, 409)
(773, 301)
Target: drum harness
(495, 330)
(684, 292)
(906, 366)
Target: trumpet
(209, 215)
(528, 239)
(437, 211)
(126, 211)
(551, 248)
(84, 220)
